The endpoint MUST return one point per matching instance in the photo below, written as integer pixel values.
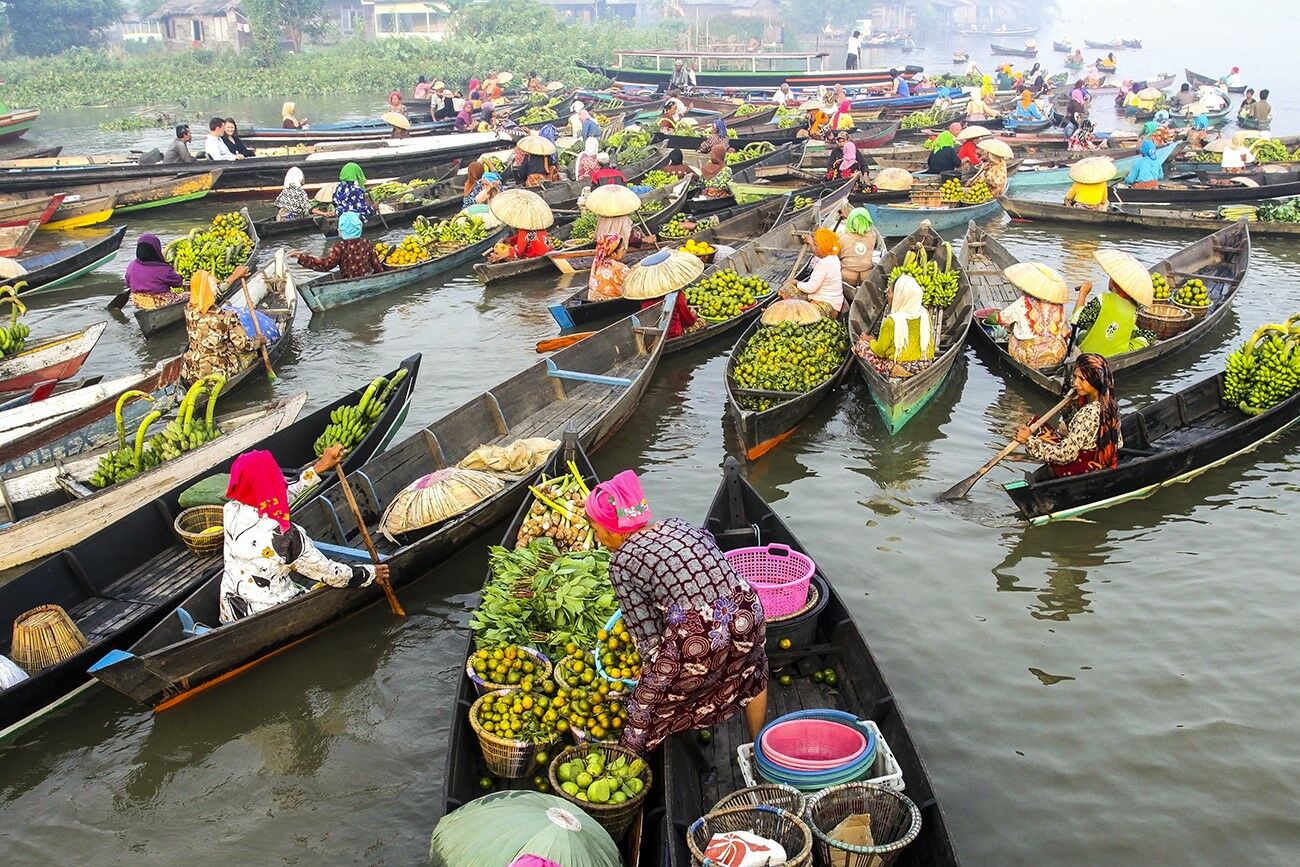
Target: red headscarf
(619, 505)
(256, 481)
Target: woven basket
(614, 818)
(542, 672)
(45, 636)
(1165, 320)
(771, 822)
(895, 822)
(777, 795)
(506, 759)
(191, 523)
(1197, 312)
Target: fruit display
(596, 780)
(631, 145)
(521, 715)
(585, 701)
(650, 207)
(689, 127)
(789, 358)
(800, 202)
(398, 191)
(951, 190)
(409, 251)
(1265, 370)
(583, 228)
(1233, 213)
(350, 424)
(218, 249)
(558, 513)
(1159, 287)
(698, 248)
(939, 284)
(1192, 294)
(658, 178)
(13, 337)
(750, 152)
(1287, 211)
(1203, 157)
(617, 653)
(181, 435)
(748, 108)
(1270, 150)
(510, 665)
(934, 116)
(725, 293)
(537, 114)
(788, 117)
(682, 226)
(460, 231)
(954, 193)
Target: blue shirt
(1145, 169)
(350, 197)
(904, 89)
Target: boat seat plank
(161, 575)
(98, 617)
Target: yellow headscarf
(287, 110)
(987, 89)
(1026, 99)
(203, 291)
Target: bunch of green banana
(350, 424)
(183, 433)
(218, 249)
(1265, 370)
(1233, 213)
(461, 231)
(124, 463)
(13, 337)
(938, 283)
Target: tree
(295, 19)
(50, 26)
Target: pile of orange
(505, 666)
(585, 700)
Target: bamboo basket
(1165, 320)
(191, 523)
(777, 795)
(771, 822)
(45, 636)
(542, 672)
(614, 818)
(895, 822)
(507, 759)
(1197, 312)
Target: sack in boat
(10, 674)
(436, 497)
(521, 456)
(743, 849)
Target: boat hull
(55, 358)
(896, 221)
(767, 80)
(49, 271)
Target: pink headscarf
(850, 160)
(395, 98)
(256, 481)
(846, 107)
(619, 505)
(532, 861)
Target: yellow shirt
(1086, 194)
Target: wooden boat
(43, 390)
(75, 212)
(717, 70)
(769, 133)
(761, 117)
(592, 386)
(960, 57)
(900, 398)
(1172, 440)
(154, 193)
(738, 517)
(1056, 173)
(1249, 122)
(116, 595)
(1000, 30)
(20, 212)
(15, 124)
(1216, 118)
(1220, 260)
(68, 424)
(154, 319)
(57, 268)
(1150, 216)
(920, 99)
(1008, 51)
(1112, 44)
(1198, 193)
(897, 221)
(274, 294)
(57, 358)
(1063, 47)
(1131, 43)
(1074, 66)
(14, 238)
(1195, 79)
(563, 195)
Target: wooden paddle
(962, 488)
(370, 545)
(257, 327)
(563, 342)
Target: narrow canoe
(1013, 125)
(155, 319)
(1113, 44)
(57, 358)
(1195, 79)
(19, 212)
(1248, 122)
(1063, 47)
(898, 221)
(1007, 51)
(16, 123)
(564, 195)
(126, 575)
(13, 239)
(1220, 260)
(183, 186)
(593, 386)
(1201, 193)
(1048, 174)
(77, 212)
(1150, 216)
(57, 268)
(1172, 440)
(900, 398)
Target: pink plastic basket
(778, 575)
(812, 744)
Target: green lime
(485, 783)
(818, 676)
(786, 680)
(705, 736)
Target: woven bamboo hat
(995, 147)
(612, 200)
(397, 119)
(326, 192)
(1149, 93)
(810, 105)
(894, 179)
(522, 209)
(795, 310)
(505, 78)
(553, 86)
(1035, 278)
(1093, 170)
(657, 275)
(971, 132)
(1218, 146)
(536, 145)
(1128, 274)
(45, 636)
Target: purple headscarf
(150, 272)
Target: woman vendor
(717, 174)
(353, 256)
(968, 152)
(825, 285)
(817, 118)
(1147, 171)
(1237, 155)
(262, 548)
(978, 109)
(293, 203)
(1038, 334)
(697, 624)
(994, 171)
(1089, 183)
(677, 164)
(857, 245)
(1091, 440)
(289, 119)
(1130, 287)
(844, 158)
(150, 279)
(395, 103)
(586, 163)
(649, 283)
(526, 243)
(464, 121)
(717, 137)
(350, 194)
(842, 119)
(943, 159)
(607, 272)
(1201, 133)
(1027, 109)
(217, 341)
(906, 334)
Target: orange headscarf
(1026, 98)
(203, 291)
(825, 243)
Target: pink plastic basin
(812, 744)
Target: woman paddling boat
(219, 341)
(293, 203)
(350, 193)
(1091, 439)
(150, 278)
(824, 286)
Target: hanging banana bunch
(183, 433)
(13, 337)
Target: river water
(1114, 690)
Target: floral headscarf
(1098, 374)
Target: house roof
(734, 4)
(194, 7)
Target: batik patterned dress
(698, 626)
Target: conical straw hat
(522, 209)
(397, 119)
(971, 132)
(536, 145)
(1149, 93)
(1218, 146)
(553, 86)
(612, 200)
(795, 310)
(326, 192)
(894, 179)
(664, 272)
(505, 78)
(995, 147)
(1128, 274)
(1038, 280)
(1093, 170)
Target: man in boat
(262, 548)
(1184, 97)
(1261, 111)
(900, 85)
(682, 78)
(608, 172)
(696, 622)
(855, 50)
(1247, 101)
(352, 255)
(178, 150)
(214, 147)
(1091, 439)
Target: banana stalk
(121, 404)
(140, 434)
(218, 382)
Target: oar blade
(961, 489)
(118, 301)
